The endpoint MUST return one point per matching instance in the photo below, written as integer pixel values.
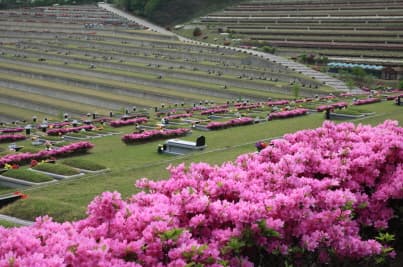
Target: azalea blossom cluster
(250, 106)
(214, 111)
(12, 130)
(120, 123)
(214, 125)
(63, 131)
(26, 157)
(306, 197)
(11, 137)
(152, 135)
(366, 101)
(287, 113)
(332, 106)
(277, 103)
(178, 116)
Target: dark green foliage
(170, 12)
(197, 32)
(26, 175)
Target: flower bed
(63, 131)
(214, 111)
(23, 158)
(231, 123)
(366, 101)
(152, 135)
(11, 137)
(59, 124)
(332, 106)
(12, 130)
(178, 116)
(288, 113)
(120, 123)
(314, 197)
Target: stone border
(58, 176)
(18, 183)
(92, 172)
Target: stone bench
(181, 147)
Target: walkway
(319, 76)
(15, 220)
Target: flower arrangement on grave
(288, 113)
(152, 135)
(249, 106)
(260, 145)
(277, 103)
(120, 123)
(320, 196)
(11, 137)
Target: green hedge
(26, 175)
(56, 168)
(84, 164)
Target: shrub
(26, 175)
(197, 32)
(56, 168)
(313, 197)
(83, 164)
(11, 137)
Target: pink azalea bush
(250, 106)
(306, 198)
(231, 123)
(63, 131)
(26, 157)
(178, 116)
(11, 137)
(12, 130)
(287, 113)
(214, 111)
(59, 124)
(152, 135)
(332, 106)
(277, 103)
(120, 123)
(366, 101)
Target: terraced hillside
(369, 30)
(81, 59)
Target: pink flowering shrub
(366, 101)
(231, 123)
(178, 116)
(12, 130)
(59, 124)
(287, 113)
(307, 198)
(214, 111)
(152, 135)
(63, 131)
(26, 157)
(11, 137)
(250, 106)
(332, 106)
(120, 123)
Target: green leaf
(267, 232)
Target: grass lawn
(26, 175)
(7, 224)
(67, 200)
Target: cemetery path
(15, 220)
(295, 66)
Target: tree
(295, 90)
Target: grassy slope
(68, 200)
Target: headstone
(201, 141)
(110, 114)
(34, 118)
(28, 129)
(75, 123)
(94, 116)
